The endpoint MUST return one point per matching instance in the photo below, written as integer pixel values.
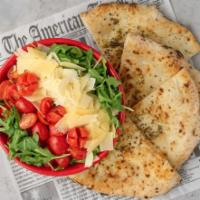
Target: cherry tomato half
(42, 118)
(27, 83)
(54, 131)
(27, 120)
(24, 106)
(55, 114)
(62, 162)
(82, 142)
(58, 145)
(72, 138)
(53, 117)
(8, 91)
(77, 137)
(83, 136)
(3, 89)
(42, 131)
(83, 132)
(46, 105)
(13, 94)
(78, 154)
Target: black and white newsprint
(67, 24)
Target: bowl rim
(11, 61)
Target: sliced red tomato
(78, 154)
(83, 136)
(42, 118)
(59, 110)
(42, 131)
(72, 138)
(27, 83)
(25, 106)
(46, 105)
(58, 145)
(55, 114)
(82, 142)
(27, 120)
(8, 91)
(77, 137)
(83, 132)
(54, 131)
(13, 94)
(53, 117)
(3, 89)
(62, 162)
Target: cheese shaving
(89, 160)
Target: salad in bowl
(61, 107)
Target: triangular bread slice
(136, 168)
(110, 23)
(145, 65)
(169, 116)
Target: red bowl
(3, 75)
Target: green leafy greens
(106, 87)
(22, 145)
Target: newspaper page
(68, 24)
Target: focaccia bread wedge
(136, 168)
(145, 64)
(110, 23)
(170, 117)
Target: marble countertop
(12, 15)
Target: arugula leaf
(76, 52)
(94, 74)
(89, 58)
(113, 82)
(29, 143)
(96, 151)
(16, 139)
(12, 122)
(60, 48)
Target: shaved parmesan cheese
(36, 53)
(34, 61)
(104, 118)
(107, 143)
(71, 120)
(37, 95)
(89, 160)
(87, 83)
(96, 137)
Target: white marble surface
(18, 12)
